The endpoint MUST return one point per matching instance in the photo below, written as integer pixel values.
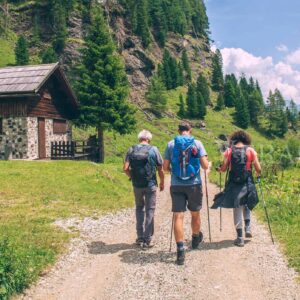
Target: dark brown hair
(184, 126)
(240, 136)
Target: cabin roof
(28, 80)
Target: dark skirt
(236, 195)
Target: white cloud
(294, 58)
(270, 75)
(282, 48)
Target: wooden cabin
(36, 107)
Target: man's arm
(161, 177)
(204, 162)
(126, 169)
(167, 165)
(257, 166)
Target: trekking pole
(265, 208)
(220, 207)
(208, 218)
(172, 232)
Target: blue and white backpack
(185, 161)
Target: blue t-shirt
(169, 156)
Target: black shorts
(189, 196)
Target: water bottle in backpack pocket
(185, 161)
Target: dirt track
(104, 263)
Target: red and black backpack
(238, 165)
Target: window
(59, 126)
(1, 126)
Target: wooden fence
(75, 150)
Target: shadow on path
(103, 248)
(145, 257)
(219, 245)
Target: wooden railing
(75, 150)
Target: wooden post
(101, 144)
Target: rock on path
(105, 264)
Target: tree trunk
(101, 144)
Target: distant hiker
(240, 191)
(141, 163)
(184, 156)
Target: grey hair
(145, 135)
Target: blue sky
(268, 32)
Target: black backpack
(141, 170)
(238, 171)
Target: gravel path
(105, 264)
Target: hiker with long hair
(184, 156)
(240, 191)
(142, 162)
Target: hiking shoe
(148, 244)
(196, 240)
(248, 233)
(180, 257)
(239, 242)
(139, 242)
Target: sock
(196, 234)
(180, 246)
(247, 223)
(239, 232)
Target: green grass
(35, 194)
(7, 54)
(283, 203)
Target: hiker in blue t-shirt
(141, 164)
(183, 158)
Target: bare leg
(196, 222)
(178, 226)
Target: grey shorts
(189, 196)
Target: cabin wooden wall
(13, 108)
(46, 106)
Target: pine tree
(186, 65)
(242, 114)
(292, 114)
(191, 101)
(156, 95)
(245, 88)
(203, 89)
(199, 18)
(167, 77)
(180, 75)
(201, 106)
(58, 13)
(220, 102)
(158, 21)
(142, 27)
(49, 56)
(21, 52)
(181, 113)
(217, 79)
(229, 92)
(255, 106)
(103, 89)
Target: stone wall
(33, 138)
(51, 137)
(13, 141)
(21, 136)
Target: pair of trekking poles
(208, 216)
